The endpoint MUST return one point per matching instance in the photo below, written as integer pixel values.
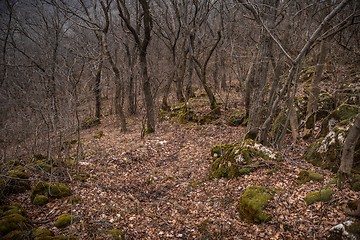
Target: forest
(179, 119)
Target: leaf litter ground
(159, 188)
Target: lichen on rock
(326, 151)
(233, 160)
(253, 202)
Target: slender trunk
(97, 90)
(164, 105)
(312, 104)
(347, 157)
(149, 101)
(132, 95)
(249, 81)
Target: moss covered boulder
(41, 233)
(182, 113)
(40, 165)
(253, 202)
(13, 223)
(326, 151)
(40, 200)
(318, 196)
(232, 160)
(64, 220)
(14, 181)
(236, 119)
(307, 176)
(51, 190)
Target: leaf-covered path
(159, 188)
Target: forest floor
(159, 188)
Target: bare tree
(142, 42)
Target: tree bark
(347, 157)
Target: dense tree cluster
(66, 60)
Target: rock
(12, 222)
(253, 202)
(236, 119)
(318, 196)
(15, 181)
(14, 235)
(326, 151)
(41, 233)
(40, 200)
(307, 176)
(233, 160)
(348, 230)
(64, 220)
(56, 190)
(90, 122)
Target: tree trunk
(312, 104)
(347, 157)
(97, 90)
(149, 101)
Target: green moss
(71, 237)
(236, 119)
(90, 122)
(12, 222)
(232, 160)
(40, 165)
(40, 233)
(64, 220)
(56, 190)
(14, 235)
(70, 141)
(253, 202)
(98, 134)
(40, 200)
(117, 234)
(83, 177)
(75, 200)
(307, 176)
(318, 196)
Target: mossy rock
(15, 181)
(326, 151)
(98, 134)
(342, 115)
(117, 234)
(181, 112)
(233, 160)
(40, 200)
(41, 233)
(253, 202)
(75, 200)
(307, 74)
(71, 237)
(236, 119)
(307, 176)
(64, 220)
(83, 177)
(324, 195)
(40, 165)
(56, 190)
(14, 235)
(355, 182)
(208, 118)
(13, 222)
(90, 122)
